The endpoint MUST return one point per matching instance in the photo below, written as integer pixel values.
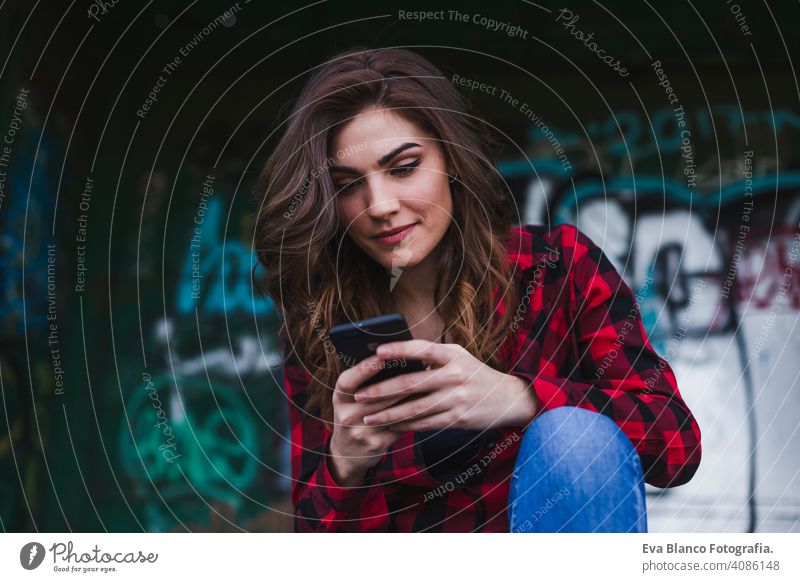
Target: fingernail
(383, 351)
(367, 419)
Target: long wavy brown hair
(299, 231)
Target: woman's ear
(450, 168)
(452, 176)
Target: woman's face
(389, 174)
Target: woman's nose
(380, 198)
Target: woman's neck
(414, 285)
(412, 294)
(419, 310)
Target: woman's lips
(393, 239)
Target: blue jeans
(576, 471)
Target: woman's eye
(404, 170)
(346, 187)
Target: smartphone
(358, 340)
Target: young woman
(543, 406)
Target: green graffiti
(189, 436)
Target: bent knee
(570, 431)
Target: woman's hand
(457, 391)
(355, 447)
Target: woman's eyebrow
(382, 162)
(388, 157)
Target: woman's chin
(397, 265)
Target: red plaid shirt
(577, 339)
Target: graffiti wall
(199, 436)
(140, 380)
(712, 261)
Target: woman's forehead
(376, 127)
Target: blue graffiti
(631, 135)
(674, 193)
(217, 274)
(25, 233)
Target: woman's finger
(423, 350)
(366, 408)
(353, 413)
(350, 379)
(403, 385)
(438, 421)
(408, 410)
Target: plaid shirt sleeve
(321, 504)
(621, 374)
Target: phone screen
(358, 340)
